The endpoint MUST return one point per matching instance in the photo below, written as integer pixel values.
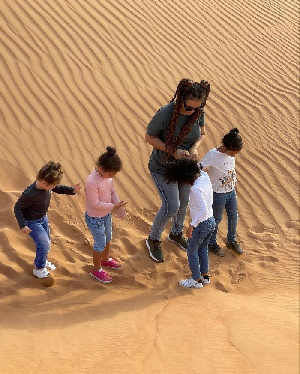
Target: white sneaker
(41, 273)
(205, 279)
(49, 265)
(190, 283)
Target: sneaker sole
(111, 267)
(190, 287)
(41, 277)
(151, 255)
(50, 268)
(171, 240)
(93, 276)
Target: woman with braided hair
(176, 131)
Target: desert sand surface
(78, 75)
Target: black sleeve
(65, 190)
(23, 203)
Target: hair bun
(235, 130)
(110, 150)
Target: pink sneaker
(112, 263)
(101, 276)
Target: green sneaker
(178, 239)
(235, 247)
(154, 249)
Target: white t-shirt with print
(221, 170)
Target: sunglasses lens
(190, 108)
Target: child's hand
(119, 204)
(77, 187)
(26, 230)
(189, 231)
(121, 212)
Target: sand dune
(77, 76)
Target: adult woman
(175, 131)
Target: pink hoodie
(100, 195)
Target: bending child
(101, 200)
(220, 163)
(31, 212)
(188, 171)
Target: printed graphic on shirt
(228, 181)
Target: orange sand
(77, 76)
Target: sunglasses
(190, 108)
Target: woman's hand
(194, 153)
(25, 230)
(181, 153)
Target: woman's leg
(178, 219)
(169, 194)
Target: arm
(64, 190)
(159, 144)
(197, 199)
(23, 202)
(119, 206)
(206, 161)
(196, 145)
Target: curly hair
(233, 140)
(186, 89)
(51, 173)
(183, 171)
(109, 160)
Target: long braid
(185, 88)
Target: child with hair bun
(220, 165)
(101, 200)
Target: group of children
(213, 190)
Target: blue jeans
(101, 230)
(175, 199)
(40, 233)
(197, 247)
(227, 201)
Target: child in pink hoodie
(101, 200)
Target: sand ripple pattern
(79, 75)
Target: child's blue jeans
(197, 247)
(40, 233)
(227, 201)
(101, 230)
